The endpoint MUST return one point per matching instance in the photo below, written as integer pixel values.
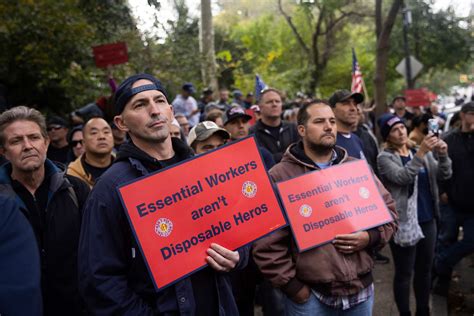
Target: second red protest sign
(222, 197)
(339, 200)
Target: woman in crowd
(410, 174)
(75, 140)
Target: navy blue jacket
(58, 239)
(20, 288)
(113, 277)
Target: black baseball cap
(343, 95)
(399, 97)
(188, 87)
(468, 107)
(234, 113)
(125, 91)
(57, 121)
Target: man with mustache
(335, 278)
(97, 158)
(50, 200)
(114, 279)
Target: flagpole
(367, 98)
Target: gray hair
(21, 113)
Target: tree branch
(328, 48)
(316, 34)
(384, 36)
(293, 28)
(343, 15)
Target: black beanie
(125, 91)
(386, 122)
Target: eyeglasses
(54, 128)
(74, 143)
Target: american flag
(357, 80)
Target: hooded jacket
(76, 168)
(324, 269)
(60, 238)
(114, 279)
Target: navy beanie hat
(386, 122)
(125, 91)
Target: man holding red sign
(113, 275)
(336, 276)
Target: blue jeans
(314, 307)
(448, 259)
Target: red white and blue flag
(357, 80)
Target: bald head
(98, 138)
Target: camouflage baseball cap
(204, 130)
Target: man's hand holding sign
(335, 204)
(222, 259)
(202, 210)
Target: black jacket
(57, 238)
(288, 135)
(20, 289)
(460, 188)
(370, 148)
(113, 276)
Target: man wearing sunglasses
(58, 150)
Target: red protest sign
(338, 200)
(110, 54)
(418, 97)
(252, 114)
(222, 197)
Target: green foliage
(46, 58)
(438, 40)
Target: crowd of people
(68, 249)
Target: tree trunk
(314, 80)
(381, 58)
(206, 46)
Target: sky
(144, 14)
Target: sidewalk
(461, 298)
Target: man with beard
(336, 276)
(113, 276)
